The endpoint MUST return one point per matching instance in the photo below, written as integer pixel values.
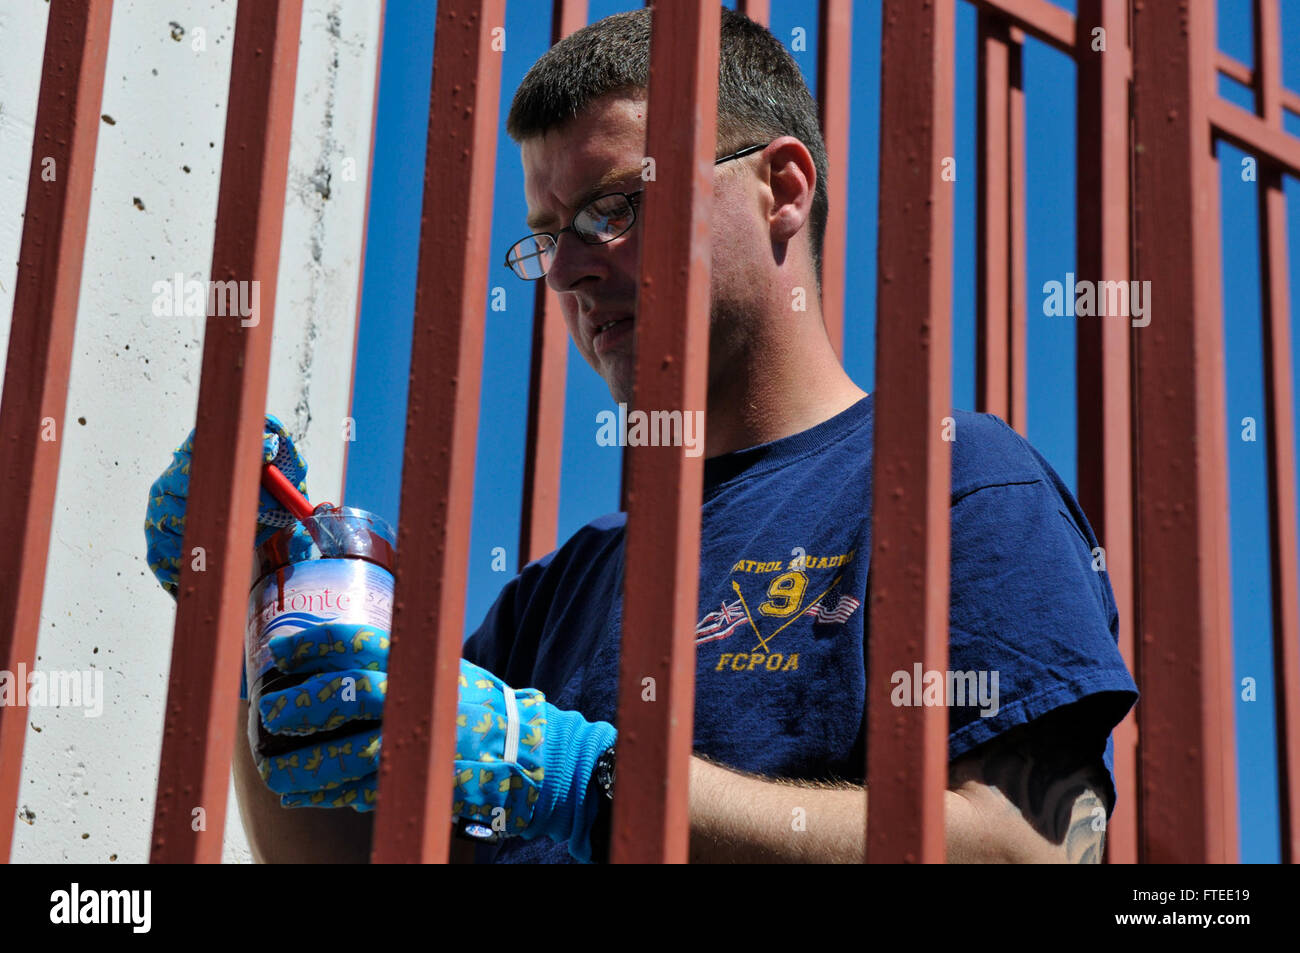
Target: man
(785, 526)
(780, 648)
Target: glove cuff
(568, 809)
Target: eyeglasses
(600, 221)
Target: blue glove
(346, 682)
(164, 522)
(537, 788)
(523, 766)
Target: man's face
(598, 152)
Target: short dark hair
(761, 92)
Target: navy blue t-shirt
(781, 656)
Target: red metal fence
(1151, 417)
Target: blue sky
(590, 474)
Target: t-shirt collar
(727, 467)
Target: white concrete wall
(88, 783)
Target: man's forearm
(303, 835)
(293, 835)
(737, 818)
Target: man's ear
(792, 181)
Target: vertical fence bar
(414, 804)
(207, 644)
(1000, 310)
(756, 10)
(544, 442)
(40, 344)
(907, 748)
(834, 75)
(651, 817)
(1214, 502)
(1268, 61)
(1017, 240)
(992, 217)
(1279, 388)
(1102, 352)
(1187, 800)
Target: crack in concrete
(319, 182)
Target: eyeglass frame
(633, 198)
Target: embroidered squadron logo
(797, 587)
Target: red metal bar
(365, 231)
(414, 805)
(1279, 384)
(1041, 19)
(40, 344)
(203, 690)
(1000, 315)
(907, 748)
(1018, 189)
(1214, 501)
(1235, 69)
(651, 818)
(1185, 716)
(1103, 365)
(1268, 61)
(1255, 136)
(544, 443)
(834, 74)
(1279, 388)
(756, 10)
(992, 217)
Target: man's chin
(617, 375)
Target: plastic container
(335, 566)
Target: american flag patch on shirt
(833, 607)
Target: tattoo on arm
(1044, 772)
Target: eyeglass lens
(599, 221)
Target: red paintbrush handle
(278, 485)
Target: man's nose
(574, 260)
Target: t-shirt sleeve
(1029, 613)
(506, 641)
